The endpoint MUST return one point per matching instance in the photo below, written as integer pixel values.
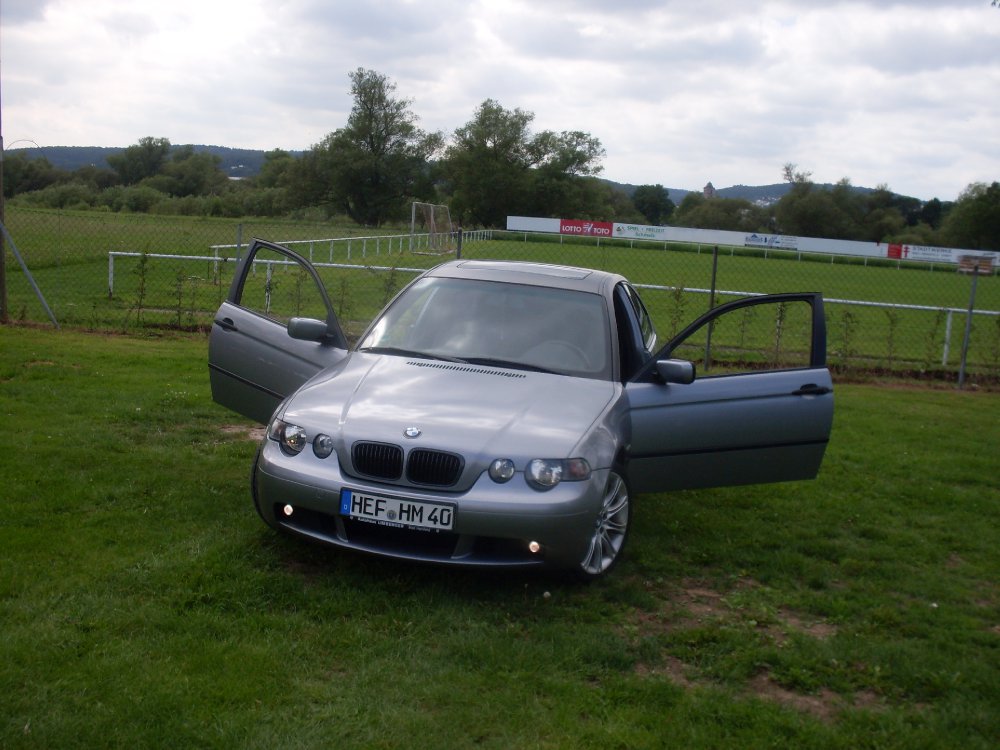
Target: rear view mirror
(307, 329)
(678, 371)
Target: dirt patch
(824, 704)
(700, 602)
(672, 668)
(255, 432)
(813, 628)
(693, 603)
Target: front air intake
(433, 467)
(378, 460)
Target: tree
(654, 203)
(790, 174)
(277, 169)
(974, 221)
(487, 164)
(810, 211)
(813, 212)
(734, 214)
(881, 218)
(563, 183)
(372, 167)
(22, 174)
(496, 167)
(189, 173)
(931, 213)
(139, 161)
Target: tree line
(495, 165)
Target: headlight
(546, 473)
(502, 470)
(290, 437)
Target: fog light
(323, 446)
(534, 547)
(288, 510)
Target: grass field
(145, 605)
(68, 256)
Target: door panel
(733, 429)
(760, 420)
(253, 362)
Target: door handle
(226, 324)
(811, 389)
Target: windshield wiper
(511, 364)
(409, 353)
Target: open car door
(760, 408)
(275, 330)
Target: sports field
(907, 317)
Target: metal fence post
(968, 325)
(947, 339)
(711, 305)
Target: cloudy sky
(679, 92)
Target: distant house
(709, 191)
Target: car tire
(611, 527)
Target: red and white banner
(586, 228)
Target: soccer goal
(431, 232)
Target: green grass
(145, 605)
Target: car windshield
(494, 323)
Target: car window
(771, 336)
(555, 329)
(631, 350)
(642, 316)
(279, 288)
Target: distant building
(709, 191)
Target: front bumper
(493, 523)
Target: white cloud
(679, 93)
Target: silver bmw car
(505, 413)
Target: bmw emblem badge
(411, 432)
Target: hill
(763, 195)
(236, 162)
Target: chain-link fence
(119, 272)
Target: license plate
(396, 512)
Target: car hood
(479, 412)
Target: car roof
(522, 272)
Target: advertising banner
(641, 232)
(532, 224)
(921, 252)
(771, 240)
(585, 228)
(622, 230)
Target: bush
(141, 199)
(67, 195)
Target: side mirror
(678, 371)
(307, 329)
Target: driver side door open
(254, 362)
(759, 410)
